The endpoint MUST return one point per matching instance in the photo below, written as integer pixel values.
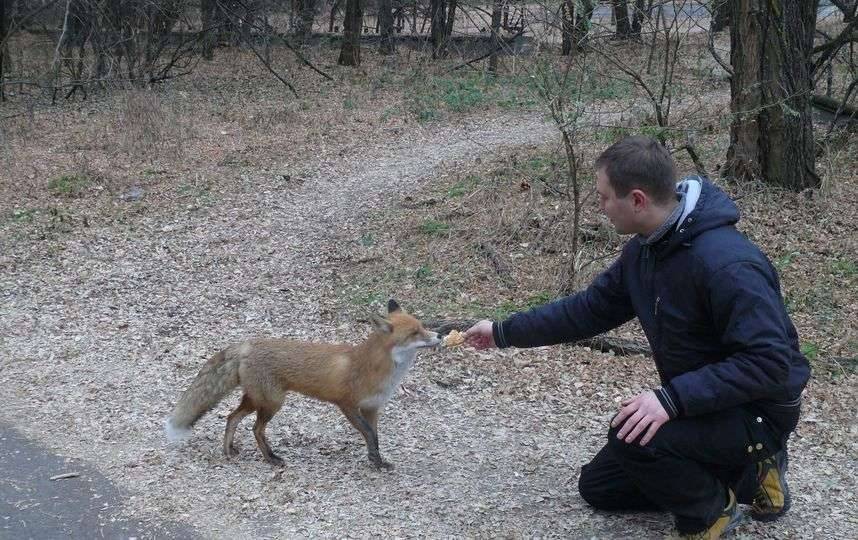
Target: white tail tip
(175, 433)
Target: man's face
(619, 210)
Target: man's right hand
(480, 335)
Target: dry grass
(112, 298)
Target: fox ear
(381, 324)
(392, 306)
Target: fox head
(403, 330)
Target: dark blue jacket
(709, 302)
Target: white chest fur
(403, 359)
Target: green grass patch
(434, 228)
(461, 92)
(365, 298)
(508, 307)
(367, 240)
(423, 274)
(69, 185)
(810, 350)
(539, 299)
(783, 262)
(24, 215)
(201, 194)
(601, 88)
(464, 186)
(844, 268)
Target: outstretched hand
(641, 414)
(480, 335)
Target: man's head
(636, 182)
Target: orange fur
(359, 379)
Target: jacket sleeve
(750, 317)
(604, 305)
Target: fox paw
(275, 460)
(232, 451)
(380, 464)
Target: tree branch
(827, 50)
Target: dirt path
(102, 329)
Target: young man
(714, 433)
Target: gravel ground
(102, 329)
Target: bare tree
(640, 13)
(497, 7)
(352, 26)
(849, 8)
(438, 29)
(306, 17)
(3, 32)
(385, 21)
(720, 11)
(771, 136)
(574, 25)
(621, 14)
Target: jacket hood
(712, 209)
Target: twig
(65, 475)
(502, 45)
(269, 68)
(285, 42)
(497, 262)
(725, 66)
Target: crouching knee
(620, 448)
(594, 489)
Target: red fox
(359, 379)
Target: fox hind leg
(244, 408)
(263, 416)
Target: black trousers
(686, 468)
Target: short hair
(639, 162)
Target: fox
(359, 379)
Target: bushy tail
(215, 380)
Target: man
(714, 433)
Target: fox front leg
(360, 422)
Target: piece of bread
(454, 339)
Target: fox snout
(432, 339)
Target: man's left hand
(643, 412)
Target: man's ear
(640, 201)
(381, 324)
(392, 306)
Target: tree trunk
(385, 20)
(497, 7)
(208, 9)
(352, 26)
(579, 30)
(2, 46)
(639, 16)
(306, 17)
(451, 18)
(334, 8)
(567, 16)
(771, 137)
(621, 14)
(720, 16)
(439, 25)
